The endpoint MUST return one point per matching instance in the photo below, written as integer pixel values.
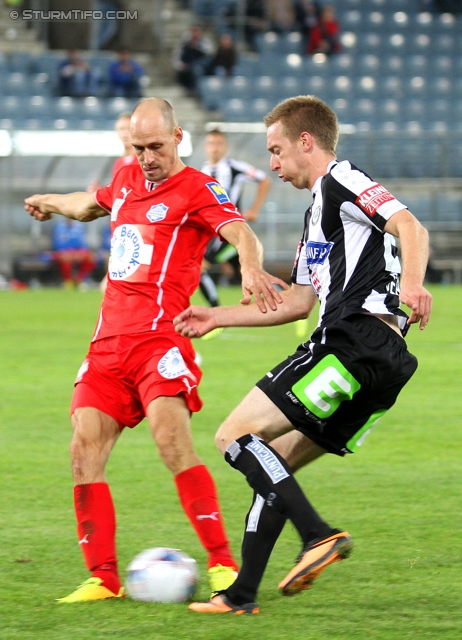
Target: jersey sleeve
(369, 202)
(251, 173)
(104, 198)
(211, 203)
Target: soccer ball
(162, 575)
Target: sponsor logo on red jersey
(218, 191)
(371, 199)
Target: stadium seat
(108, 108)
(248, 66)
(420, 206)
(11, 106)
(212, 90)
(416, 64)
(341, 64)
(448, 208)
(269, 42)
(66, 107)
(48, 63)
(440, 86)
(235, 110)
(439, 109)
(397, 43)
(264, 87)
(413, 109)
(366, 110)
(345, 110)
(415, 87)
(258, 108)
(20, 61)
(389, 109)
(367, 64)
(443, 43)
(441, 65)
(16, 83)
(352, 20)
(392, 64)
(366, 86)
(419, 43)
(291, 86)
(38, 106)
(390, 87)
(370, 42)
(293, 42)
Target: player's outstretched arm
(255, 281)
(263, 188)
(195, 322)
(413, 238)
(78, 206)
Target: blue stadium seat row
(43, 111)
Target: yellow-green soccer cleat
(221, 578)
(213, 334)
(92, 589)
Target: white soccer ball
(162, 575)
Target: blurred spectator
(448, 6)
(191, 58)
(71, 252)
(224, 59)
(323, 36)
(76, 78)
(107, 28)
(255, 20)
(125, 77)
(307, 14)
(281, 15)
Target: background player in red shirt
(122, 128)
(161, 221)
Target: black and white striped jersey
(232, 175)
(344, 253)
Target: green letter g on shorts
(325, 387)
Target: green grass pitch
(399, 496)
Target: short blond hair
(310, 114)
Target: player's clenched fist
(38, 208)
(195, 322)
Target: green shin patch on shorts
(359, 437)
(325, 387)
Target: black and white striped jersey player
(352, 265)
(328, 395)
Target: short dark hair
(306, 113)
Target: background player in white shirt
(233, 175)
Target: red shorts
(123, 374)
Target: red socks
(96, 527)
(198, 495)
(96, 523)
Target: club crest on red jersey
(218, 191)
(157, 212)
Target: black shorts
(336, 386)
(218, 252)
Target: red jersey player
(137, 365)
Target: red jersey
(122, 162)
(159, 232)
